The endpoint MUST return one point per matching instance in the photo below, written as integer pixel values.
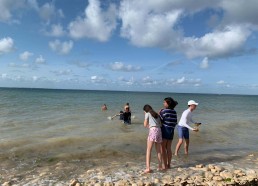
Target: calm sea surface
(45, 124)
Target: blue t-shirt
(169, 117)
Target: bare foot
(146, 171)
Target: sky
(130, 45)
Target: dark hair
(148, 108)
(171, 102)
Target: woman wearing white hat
(183, 126)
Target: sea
(49, 125)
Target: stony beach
(239, 171)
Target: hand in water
(195, 129)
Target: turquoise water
(45, 124)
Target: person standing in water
(169, 121)
(183, 127)
(152, 121)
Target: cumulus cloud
(25, 55)
(61, 47)
(57, 30)
(5, 13)
(6, 45)
(40, 60)
(160, 24)
(47, 11)
(8, 7)
(96, 23)
(119, 66)
(220, 43)
(205, 63)
(145, 25)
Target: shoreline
(101, 172)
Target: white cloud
(61, 48)
(56, 30)
(147, 24)
(128, 82)
(184, 81)
(119, 66)
(40, 60)
(159, 24)
(6, 45)
(47, 11)
(25, 55)
(205, 63)
(180, 80)
(5, 13)
(220, 43)
(98, 79)
(96, 24)
(148, 81)
(221, 82)
(7, 7)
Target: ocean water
(69, 124)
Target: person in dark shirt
(169, 120)
(124, 116)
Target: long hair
(148, 108)
(171, 102)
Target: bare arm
(146, 120)
(146, 123)
(115, 116)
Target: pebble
(209, 175)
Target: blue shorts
(183, 132)
(167, 132)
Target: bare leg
(148, 155)
(186, 146)
(158, 150)
(169, 152)
(164, 153)
(179, 143)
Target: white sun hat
(192, 102)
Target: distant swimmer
(104, 107)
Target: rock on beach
(72, 174)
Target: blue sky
(134, 45)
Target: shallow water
(68, 124)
